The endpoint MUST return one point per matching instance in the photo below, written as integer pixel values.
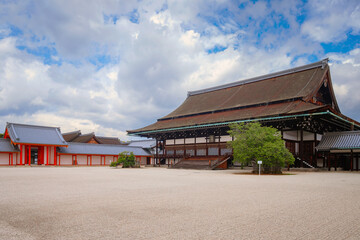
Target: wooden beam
(156, 151)
(301, 146)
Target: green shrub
(253, 142)
(127, 159)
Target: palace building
(39, 145)
(300, 102)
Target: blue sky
(109, 66)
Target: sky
(111, 66)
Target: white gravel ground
(158, 203)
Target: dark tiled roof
(287, 92)
(84, 138)
(108, 140)
(6, 146)
(69, 136)
(21, 133)
(293, 85)
(101, 149)
(233, 115)
(339, 141)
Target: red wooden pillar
(55, 162)
(20, 154)
(47, 155)
(29, 155)
(91, 160)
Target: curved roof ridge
(76, 131)
(321, 63)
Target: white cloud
(153, 62)
(345, 73)
(332, 21)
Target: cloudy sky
(109, 66)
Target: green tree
(1, 135)
(253, 142)
(127, 159)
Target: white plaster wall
(169, 142)
(200, 140)
(81, 159)
(4, 158)
(296, 135)
(189, 140)
(16, 158)
(95, 160)
(226, 138)
(51, 155)
(179, 141)
(65, 160)
(108, 160)
(22, 154)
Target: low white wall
(82, 159)
(108, 160)
(4, 159)
(95, 160)
(65, 159)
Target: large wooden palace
(300, 102)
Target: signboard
(259, 162)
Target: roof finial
(324, 62)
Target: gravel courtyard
(159, 203)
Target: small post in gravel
(259, 163)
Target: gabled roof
(31, 134)
(297, 83)
(339, 140)
(69, 136)
(108, 140)
(76, 136)
(101, 149)
(300, 90)
(6, 146)
(84, 138)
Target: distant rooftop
(32, 134)
(101, 149)
(340, 141)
